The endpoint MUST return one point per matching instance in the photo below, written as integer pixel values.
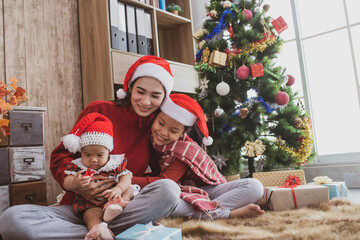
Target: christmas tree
(252, 112)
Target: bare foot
(251, 210)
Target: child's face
(94, 156)
(147, 94)
(166, 130)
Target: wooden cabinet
(104, 68)
(22, 159)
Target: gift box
(278, 198)
(150, 232)
(279, 24)
(278, 178)
(199, 34)
(336, 189)
(257, 70)
(217, 59)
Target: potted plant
(173, 8)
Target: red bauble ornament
(243, 72)
(248, 14)
(282, 98)
(291, 80)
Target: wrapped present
(336, 189)
(283, 198)
(278, 178)
(217, 59)
(150, 232)
(199, 34)
(279, 24)
(257, 70)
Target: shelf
(169, 20)
(137, 4)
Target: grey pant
(230, 195)
(154, 202)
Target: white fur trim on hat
(178, 113)
(71, 143)
(155, 71)
(120, 94)
(97, 138)
(207, 141)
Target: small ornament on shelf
(244, 112)
(257, 70)
(219, 160)
(254, 149)
(282, 98)
(279, 24)
(222, 88)
(243, 72)
(203, 84)
(217, 59)
(219, 112)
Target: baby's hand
(82, 182)
(113, 193)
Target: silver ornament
(219, 112)
(222, 88)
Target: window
(328, 68)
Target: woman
(146, 84)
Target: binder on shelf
(114, 24)
(148, 34)
(131, 29)
(140, 30)
(162, 5)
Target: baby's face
(166, 130)
(94, 156)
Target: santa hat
(148, 66)
(93, 129)
(186, 111)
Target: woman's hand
(114, 193)
(96, 190)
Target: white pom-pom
(71, 143)
(207, 141)
(120, 94)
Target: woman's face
(147, 94)
(166, 130)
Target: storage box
(150, 232)
(290, 198)
(278, 178)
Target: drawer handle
(28, 160)
(26, 126)
(30, 197)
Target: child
(92, 136)
(203, 187)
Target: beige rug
(336, 219)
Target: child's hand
(113, 193)
(82, 182)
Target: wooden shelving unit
(104, 68)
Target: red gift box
(279, 24)
(257, 70)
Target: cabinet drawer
(26, 163)
(32, 193)
(26, 128)
(4, 166)
(4, 198)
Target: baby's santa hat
(93, 129)
(186, 111)
(148, 66)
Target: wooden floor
(354, 195)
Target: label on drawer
(27, 163)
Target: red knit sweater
(131, 136)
